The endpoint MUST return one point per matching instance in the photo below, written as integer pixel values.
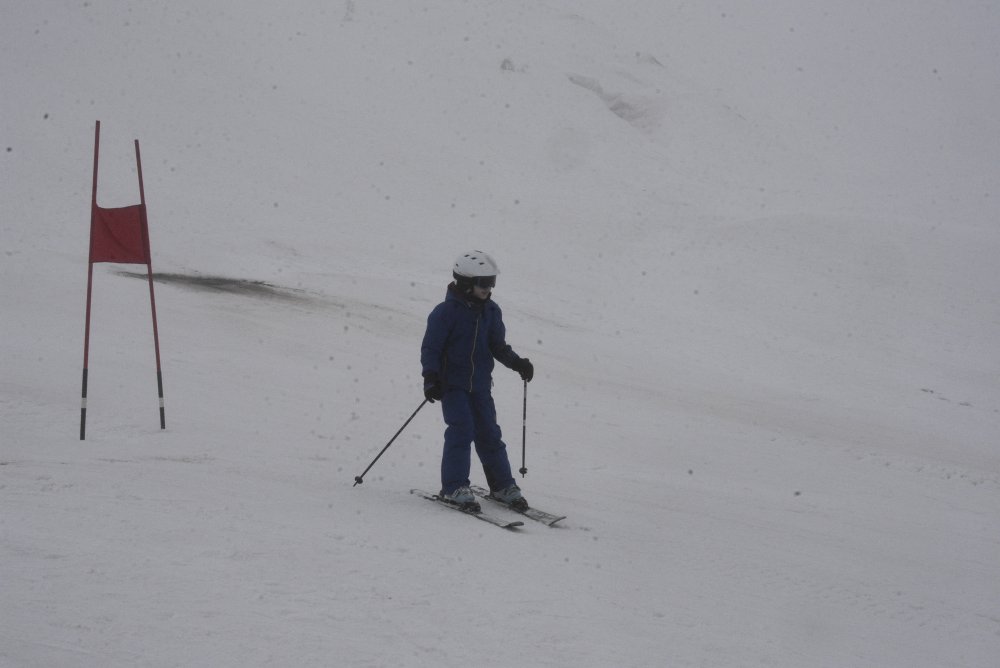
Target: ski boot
(512, 497)
(464, 499)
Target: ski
(548, 519)
(495, 521)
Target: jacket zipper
(472, 355)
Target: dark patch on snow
(223, 284)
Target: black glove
(523, 366)
(433, 389)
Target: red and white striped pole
(90, 286)
(149, 276)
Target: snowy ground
(751, 252)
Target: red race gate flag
(118, 235)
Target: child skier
(465, 333)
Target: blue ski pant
(471, 418)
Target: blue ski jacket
(463, 338)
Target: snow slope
(750, 250)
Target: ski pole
(524, 430)
(360, 478)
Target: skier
(465, 333)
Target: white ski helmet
(475, 268)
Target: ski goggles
(485, 282)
